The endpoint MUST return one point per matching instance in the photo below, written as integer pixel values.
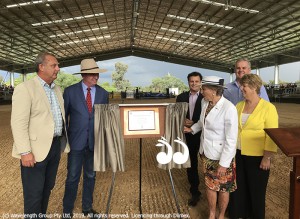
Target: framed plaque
(142, 120)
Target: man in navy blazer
(193, 97)
(79, 100)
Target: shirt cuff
(25, 153)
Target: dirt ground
(157, 196)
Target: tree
(108, 87)
(168, 81)
(65, 80)
(280, 82)
(118, 77)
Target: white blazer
(219, 131)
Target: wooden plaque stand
(288, 140)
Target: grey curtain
(175, 117)
(109, 142)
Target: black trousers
(248, 201)
(38, 181)
(192, 172)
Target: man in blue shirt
(233, 92)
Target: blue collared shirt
(234, 94)
(55, 108)
(93, 92)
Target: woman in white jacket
(219, 125)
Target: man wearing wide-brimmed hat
(79, 101)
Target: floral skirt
(226, 183)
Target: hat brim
(216, 85)
(94, 71)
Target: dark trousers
(38, 181)
(76, 161)
(192, 172)
(248, 201)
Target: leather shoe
(194, 200)
(91, 213)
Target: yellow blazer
(32, 123)
(252, 136)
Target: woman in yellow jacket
(254, 151)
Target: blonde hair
(253, 81)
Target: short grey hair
(219, 90)
(41, 58)
(243, 60)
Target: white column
(257, 71)
(276, 74)
(231, 77)
(12, 79)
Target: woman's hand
(265, 163)
(221, 171)
(187, 130)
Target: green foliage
(280, 82)
(168, 81)
(19, 79)
(108, 87)
(65, 80)
(118, 77)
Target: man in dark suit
(193, 97)
(79, 101)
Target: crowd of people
(224, 124)
(282, 89)
(6, 91)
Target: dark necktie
(89, 100)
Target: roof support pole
(23, 77)
(12, 79)
(276, 74)
(231, 77)
(257, 71)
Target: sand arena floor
(157, 197)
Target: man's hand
(187, 130)
(28, 160)
(188, 122)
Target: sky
(142, 71)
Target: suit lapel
(197, 109)
(81, 96)
(214, 112)
(60, 100)
(97, 95)
(187, 99)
